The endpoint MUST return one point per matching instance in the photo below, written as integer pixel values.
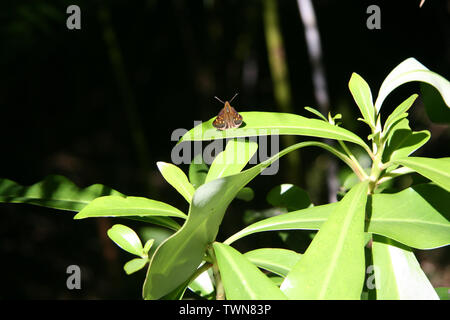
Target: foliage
(366, 221)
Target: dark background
(77, 103)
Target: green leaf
(113, 206)
(317, 113)
(269, 123)
(177, 179)
(232, 160)
(198, 171)
(289, 196)
(202, 285)
(435, 107)
(54, 192)
(412, 70)
(415, 216)
(437, 170)
(177, 258)
(127, 239)
(166, 222)
(241, 279)
(308, 219)
(333, 266)
(403, 141)
(135, 265)
(148, 245)
(399, 112)
(398, 274)
(279, 261)
(363, 97)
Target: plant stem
(356, 166)
(377, 166)
(220, 291)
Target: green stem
(200, 270)
(220, 291)
(377, 167)
(355, 163)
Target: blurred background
(99, 105)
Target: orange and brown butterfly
(228, 117)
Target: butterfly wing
(236, 118)
(219, 122)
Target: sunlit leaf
(412, 70)
(241, 279)
(126, 238)
(55, 192)
(398, 274)
(279, 261)
(113, 206)
(437, 170)
(177, 179)
(363, 97)
(333, 266)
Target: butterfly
(227, 117)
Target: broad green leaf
(398, 274)
(402, 141)
(399, 113)
(412, 70)
(437, 170)
(241, 279)
(288, 196)
(113, 206)
(273, 123)
(178, 257)
(232, 160)
(135, 265)
(333, 266)
(279, 261)
(177, 179)
(307, 219)
(417, 217)
(55, 192)
(126, 238)
(363, 97)
(198, 171)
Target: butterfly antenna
(219, 100)
(234, 96)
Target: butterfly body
(227, 118)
